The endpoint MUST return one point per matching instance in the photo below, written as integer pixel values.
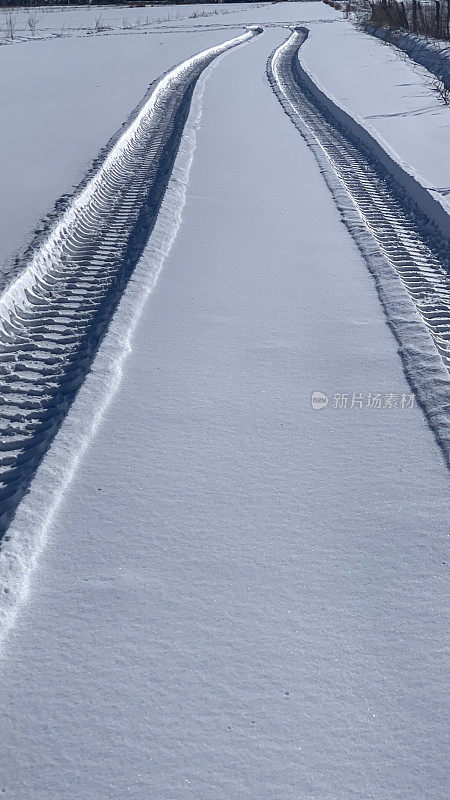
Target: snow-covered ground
(225, 592)
(430, 53)
(390, 94)
(64, 97)
(59, 21)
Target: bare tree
(442, 91)
(32, 20)
(11, 22)
(98, 27)
(426, 19)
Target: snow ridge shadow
(55, 314)
(432, 55)
(407, 254)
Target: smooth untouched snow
(240, 596)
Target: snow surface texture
(363, 194)
(59, 22)
(85, 84)
(435, 57)
(389, 95)
(52, 316)
(241, 597)
(432, 204)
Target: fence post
(438, 16)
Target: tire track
(407, 241)
(54, 315)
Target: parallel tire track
(53, 316)
(419, 258)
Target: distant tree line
(430, 18)
(131, 4)
(427, 19)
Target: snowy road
(379, 213)
(54, 314)
(240, 596)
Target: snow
(390, 95)
(85, 203)
(85, 20)
(432, 54)
(58, 259)
(406, 313)
(87, 88)
(79, 87)
(239, 596)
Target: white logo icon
(318, 400)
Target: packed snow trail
(240, 597)
(55, 313)
(402, 234)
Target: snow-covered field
(217, 586)
(78, 90)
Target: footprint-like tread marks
(399, 232)
(54, 315)
(418, 254)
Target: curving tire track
(53, 316)
(405, 239)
